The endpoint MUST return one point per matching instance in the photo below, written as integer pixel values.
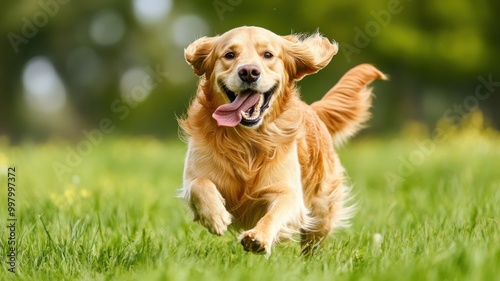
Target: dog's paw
(215, 219)
(255, 242)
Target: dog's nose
(249, 73)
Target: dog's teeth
(256, 111)
(254, 115)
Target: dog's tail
(345, 107)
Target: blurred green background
(68, 66)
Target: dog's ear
(307, 54)
(196, 54)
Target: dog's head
(249, 68)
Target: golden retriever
(259, 158)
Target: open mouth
(245, 108)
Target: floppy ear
(307, 55)
(196, 54)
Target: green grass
(115, 216)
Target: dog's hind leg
(311, 241)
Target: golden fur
(281, 176)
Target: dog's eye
(230, 55)
(268, 55)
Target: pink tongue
(229, 115)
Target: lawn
(428, 209)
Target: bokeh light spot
(107, 28)
(44, 90)
(151, 11)
(134, 86)
(188, 28)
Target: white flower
(378, 239)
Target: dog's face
(249, 69)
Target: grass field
(428, 209)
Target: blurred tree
(123, 60)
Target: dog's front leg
(285, 209)
(208, 205)
(281, 191)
